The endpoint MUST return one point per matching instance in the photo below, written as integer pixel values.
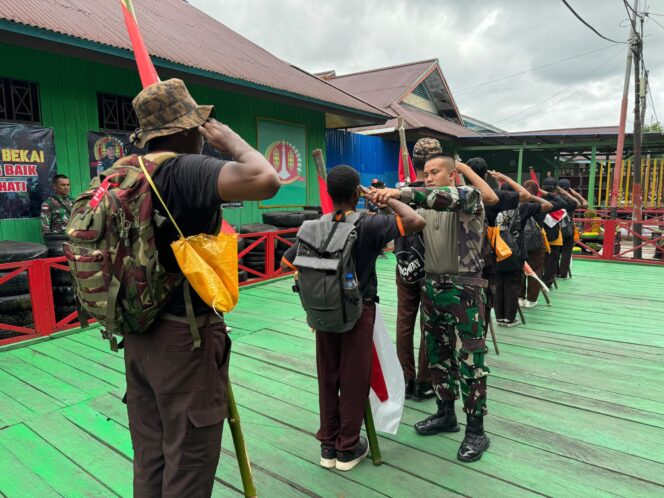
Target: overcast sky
(475, 42)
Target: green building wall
(68, 90)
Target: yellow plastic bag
(559, 240)
(547, 246)
(499, 246)
(208, 262)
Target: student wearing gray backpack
(335, 258)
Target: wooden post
(404, 148)
(376, 457)
(591, 179)
(240, 448)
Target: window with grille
(19, 101)
(116, 113)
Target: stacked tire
(64, 298)
(242, 275)
(15, 300)
(285, 220)
(255, 259)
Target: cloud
(475, 42)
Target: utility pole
(617, 169)
(639, 108)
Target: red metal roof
(382, 87)
(416, 119)
(178, 32)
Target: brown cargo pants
(177, 402)
(408, 296)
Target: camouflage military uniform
(452, 292)
(55, 214)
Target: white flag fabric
(387, 394)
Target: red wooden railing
(41, 287)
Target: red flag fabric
(325, 199)
(227, 227)
(533, 176)
(146, 69)
(377, 378)
(411, 169)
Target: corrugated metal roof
(591, 130)
(383, 86)
(178, 32)
(416, 119)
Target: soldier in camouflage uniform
(55, 210)
(453, 296)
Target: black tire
(241, 244)
(55, 236)
(242, 276)
(284, 219)
(257, 227)
(312, 215)
(15, 286)
(11, 251)
(12, 304)
(315, 209)
(63, 311)
(55, 248)
(60, 277)
(21, 319)
(251, 263)
(64, 296)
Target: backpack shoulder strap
(154, 187)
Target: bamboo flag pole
(148, 75)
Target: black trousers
(505, 301)
(565, 257)
(551, 263)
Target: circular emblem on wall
(108, 146)
(286, 159)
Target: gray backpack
(327, 282)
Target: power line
(588, 25)
(463, 90)
(506, 118)
(648, 15)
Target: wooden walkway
(576, 405)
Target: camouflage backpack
(112, 252)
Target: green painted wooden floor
(576, 405)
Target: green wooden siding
(68, 90)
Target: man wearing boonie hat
(176, 395)
(409, 251)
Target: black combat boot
(475, 442)
(444, 420)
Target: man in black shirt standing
(574, 201)
(343, 360)
(176, 394)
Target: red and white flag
(554, 217)
(387, 394)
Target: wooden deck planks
(576, 404)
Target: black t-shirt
(374, 231)
(188, 185)
(507, 199)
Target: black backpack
(533, 235)
(509, 223)
(566, 228)
(327, 281)
(409, 252)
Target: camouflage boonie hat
(166, 108)
(424, 147)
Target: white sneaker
(513, 323)
(522, 303)
(530, 304)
